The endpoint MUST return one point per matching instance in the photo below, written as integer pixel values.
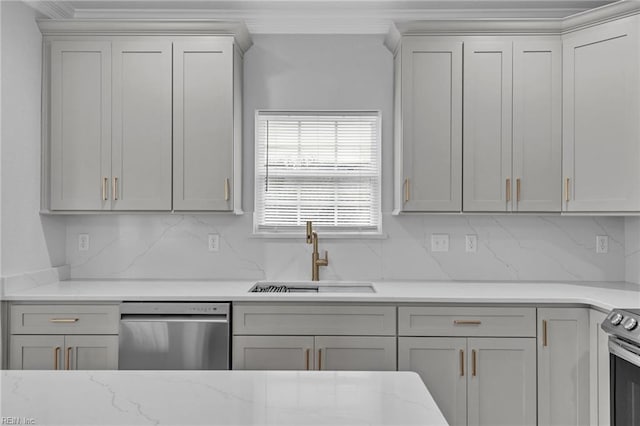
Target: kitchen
(338, 65)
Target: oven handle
(624, 350)
(175, 318)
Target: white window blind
(318, 166)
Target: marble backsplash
(510, 248)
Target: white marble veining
(604, 296)
(510, 248)
(31, 280)
(217, 398)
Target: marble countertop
(603, 296)
(216, 398)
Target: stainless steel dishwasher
(174, 336)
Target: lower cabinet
(47, 352)
(476, 381)
(563, 366)
(599, 370)
(365, 353)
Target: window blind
(323, 167)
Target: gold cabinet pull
(518, 189)
(63, 320)
(115, 188)
(319, 359)
(407, 190)
(105, 182)
(545, 343)
(461, 363)
(508, 189)
(67, 359)
(56, 356)
(307, 358)
(474, 363)
(467, 322)
(226, 189)
(566, 190)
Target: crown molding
(53, 9)
(601, 15)
(66, 27)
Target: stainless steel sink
(312, 287)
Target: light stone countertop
(603, 296)
(216, 398)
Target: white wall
(29, 242)
(340, 72)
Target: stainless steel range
(624, 354)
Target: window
(318, 166)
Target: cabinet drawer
(64, 319)
(462, 321)
(313, 320)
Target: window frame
(327, 231)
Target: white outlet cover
(214, 242)
(83, 242)
(439, 242)
(602, 244)
(471, 243)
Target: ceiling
(316, 16)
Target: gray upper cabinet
(80, 124)
(601, 109)
(141, 140)
(428, 90)
(203, 120)
(487, 126)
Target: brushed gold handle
(56, 356)
(407, 191)
(105, 182)
(307, 356)
(474, 363)
(566, 190)
(319, 359)
(518, 189)
(63, 320)
(461, 363)
(226, 189)
(545, 342)
(467, 322)
(67, 360)
(115, 188)
(508, 189)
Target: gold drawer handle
(67, 361)
(105, 182)
(115, 188)
(407, 190)
(566, 190)
(56, 355)
(461, 362)
(518, 190)
(545, 343)
(64, 320)
(226, 189)
(307, 356)
(319, 359)
(467, 322)
(474, 362)
(508, 190)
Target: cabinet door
(601, 109)
(355, 353)
(203, 125)
(599, 370)
(141, 166)
(440, 362)
(431, 125)
(273, 353)
(502, 381)
(80, 138)
(487, 126)
(563, 366)
(537, 125)
(36, 352)
(91, 352)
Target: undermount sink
(312, 287)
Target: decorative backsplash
(510, 248)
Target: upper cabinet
(601, 110)
(143, 122)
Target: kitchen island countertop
(216, 398)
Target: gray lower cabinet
(272, 352)
(75, 352)
(476, 381)
(563, 366)
(599, 370)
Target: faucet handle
(325, 261)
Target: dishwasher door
(171, 336)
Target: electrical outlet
(214, 242)
(439, 242)
(83, 242)
(602, 244)
(471, 243)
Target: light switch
(602, 244)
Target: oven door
(625, 383)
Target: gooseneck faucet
(316, 261)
